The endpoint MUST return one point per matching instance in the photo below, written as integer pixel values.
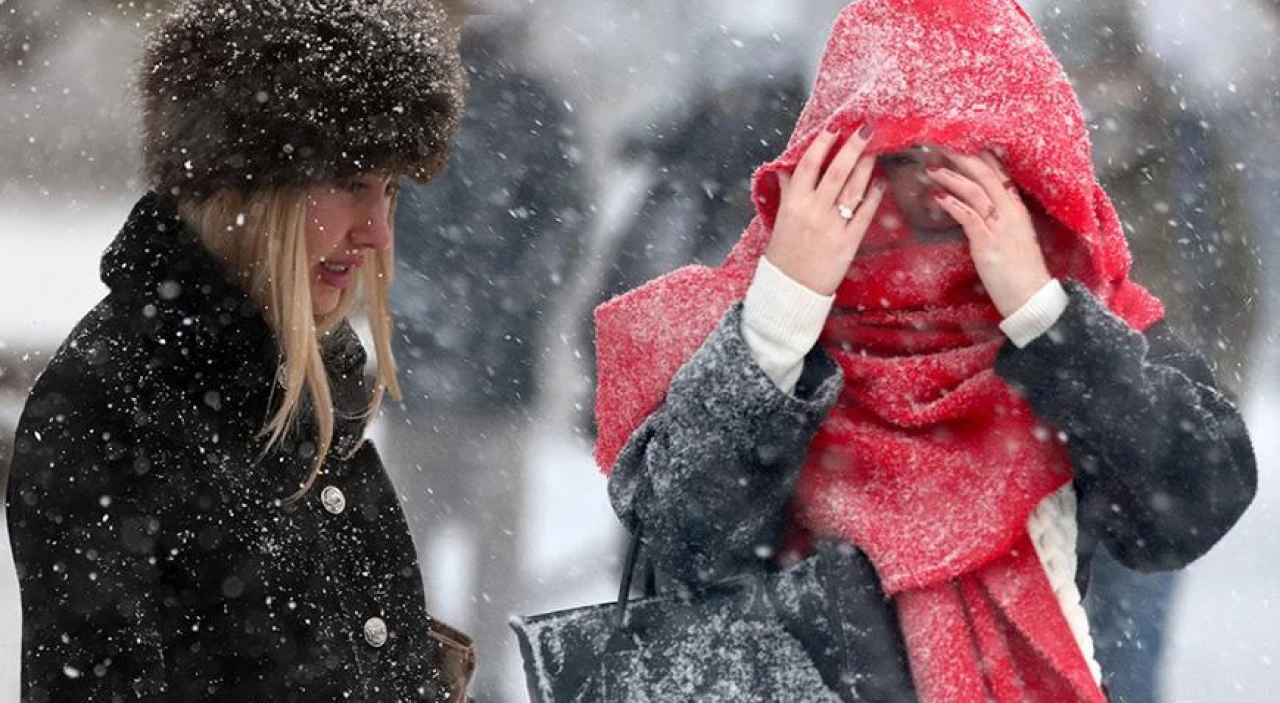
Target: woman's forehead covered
(966, 74)
(948, 72)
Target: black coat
(155, 556)
(1163, 468)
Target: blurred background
(609, 141)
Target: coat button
(333, 500)
(375, 632)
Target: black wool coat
(1163, 469)
(156, 555)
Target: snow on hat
(244, 94)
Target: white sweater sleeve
(781, 321)
(1037, 315)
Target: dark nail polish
(832, 128)
(865, 131)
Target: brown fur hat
(246, 94)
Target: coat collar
(199, 332)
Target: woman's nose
(375, 231)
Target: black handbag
(721, 642)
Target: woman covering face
(927, 348)
(194, 511)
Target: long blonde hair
(260, 238)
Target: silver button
(375, 632)
(333, 500)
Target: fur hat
(245, 94)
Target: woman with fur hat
(193, 510)
(924, 367)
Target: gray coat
(1163, 466)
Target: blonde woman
(193, 510)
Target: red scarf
(928, 463)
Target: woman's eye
(897, 160)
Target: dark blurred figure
(698, 161)
(1171, 179)
(1170, 174)
(481, 253)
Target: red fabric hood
(966, 74)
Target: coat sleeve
(84, 547)
(1164, 466)
(706, 478)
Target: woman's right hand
(823, 215)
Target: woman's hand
(1002, 237)
(823, 215)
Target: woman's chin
(323, 304)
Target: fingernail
(832, 128)
(865, 130)
(933, 168)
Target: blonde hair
(261, 240)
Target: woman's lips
(338, 274)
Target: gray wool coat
(1163, 464)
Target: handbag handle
(628, 573)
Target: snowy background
(67, 159)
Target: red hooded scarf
(928, 463)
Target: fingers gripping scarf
(928, 463)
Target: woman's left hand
(1002, 236)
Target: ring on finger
(846, 212)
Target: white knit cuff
(781, 321)
(1037, 315)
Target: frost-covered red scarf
(928, 463)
